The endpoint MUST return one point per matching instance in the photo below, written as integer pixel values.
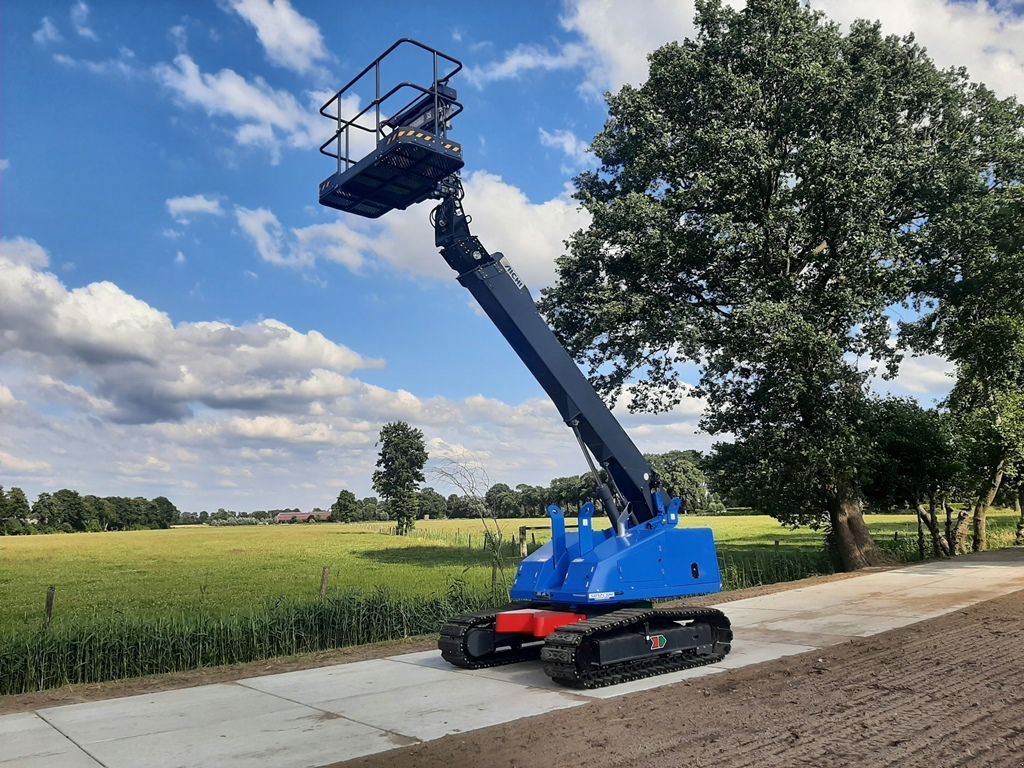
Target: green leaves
(767, 196)
(400, 469)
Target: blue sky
(181, 317)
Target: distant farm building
(316, 516)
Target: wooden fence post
(51, 595)
(522, 541)
(325, 576)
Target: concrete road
(315, 717)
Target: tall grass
(113, 648)
(108, 645)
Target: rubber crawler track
(452, 643)
(563, 663)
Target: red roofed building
(316, 516)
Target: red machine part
(538, 622)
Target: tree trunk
(854, 544)
(949, 524)
(920, 538)
(960, 532)
(985, 499)
(1019, 541)
(940, 543)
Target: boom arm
(508, 303)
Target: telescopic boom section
(508, 303)
(413, 160)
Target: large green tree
(681, 476)
(758, 208)
(399, 470)
(912, 462)
(969, 285)
(431, 504)
(345, 508)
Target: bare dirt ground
(77, 694)
(938, 694)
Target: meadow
(142, 602)
(230, 570)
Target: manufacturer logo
(658, 642)
(512, 273)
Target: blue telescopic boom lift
(583, 601)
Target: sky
(179, 316)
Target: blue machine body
(655, 559)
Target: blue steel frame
(590, 568)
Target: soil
(938, 694)
(76, 694)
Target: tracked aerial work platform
(582, 602)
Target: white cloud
(184, 207)
(22, 250)
(47, 32)
(927, 378)
(179, 36)
(7, 398)
(304, 246)
(130, 355)
(123, 65)
(986, 37)
(80, 20)
(10, 463)
(289, 38)
(263, 116)
(572, 146)
(530, 234)
(527, 58)
(179, 258)
(4, 164)
(149, 464)
(116, 396)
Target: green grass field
(230, 571)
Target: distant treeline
(231, 517)
(678, 471)
(67, 511)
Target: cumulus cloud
(262, 116)
(302, 246)
(80, 20)
(115, 396)
(289, 39)
(530, 234)
(986, 37)
(611, 40)
(185, 207)
(4, 164)
(127, 354)
(22, 250)
(925, 377)
(576, 151)
(47, 32)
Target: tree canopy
(400, 469)
(763, 200)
